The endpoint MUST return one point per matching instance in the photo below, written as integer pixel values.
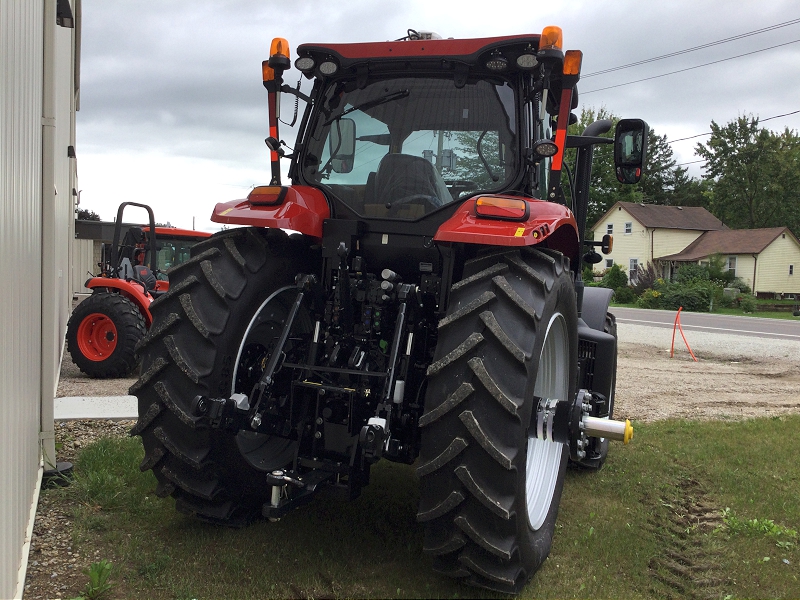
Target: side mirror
(342, 145)
(630, 149)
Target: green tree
(663, 181)
(755, 174)
(84, 214)
(604, 189)
(469, 147)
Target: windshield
(170, 252)
(402, 148)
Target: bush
(650, 299)
(747, 304)
(693, 298)
(614, 278)
(691, 273)
(646, 278)
(738, 282)
(624, 295)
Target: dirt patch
(685, 565)
(74, 383)
(652, 386)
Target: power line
(694, 48)
(691, 137)
(689, 68)
(779, 116)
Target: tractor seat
(145, 276)
(402, 176)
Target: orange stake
(677, 325)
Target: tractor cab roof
(467, 51)
(497, 55)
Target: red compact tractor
(413, 294)
(104, 329)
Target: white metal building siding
(34, 255)
(84, 262)
(20, 249)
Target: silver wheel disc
(544, 457)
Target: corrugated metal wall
(84, 262)
(34, 233)
(20, 246)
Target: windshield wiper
(494, 177)
(370, 104)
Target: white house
(766, 259)
(668, 236)
(644, 232)
(39, 46)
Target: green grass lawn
(772, 314)
(688, 509)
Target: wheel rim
(543, 462)
(97, 337)
(261, 451)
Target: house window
(634, 264)
(791, 269)
(628, 227)
(610, 263)
(610, 229)
(732, 264)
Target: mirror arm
(295, 92)
(581, 141)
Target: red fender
(131, 290)
(547, 222)
(299, 208)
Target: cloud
(171, 94)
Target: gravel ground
(736, 377)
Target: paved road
(779, 329)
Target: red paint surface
(304, 209)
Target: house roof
(728, 241)
(657, 216)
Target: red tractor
(105, 328)
(426, 305)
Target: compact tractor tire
(102, 334)
(195, 347)
(490, 493)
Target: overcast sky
(173, 112)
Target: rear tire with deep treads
(193, 348)
(490, 493)
(102, 334)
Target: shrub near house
(697, 288)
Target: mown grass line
(649, 525)
(734, 312)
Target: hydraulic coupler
(570, 422)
